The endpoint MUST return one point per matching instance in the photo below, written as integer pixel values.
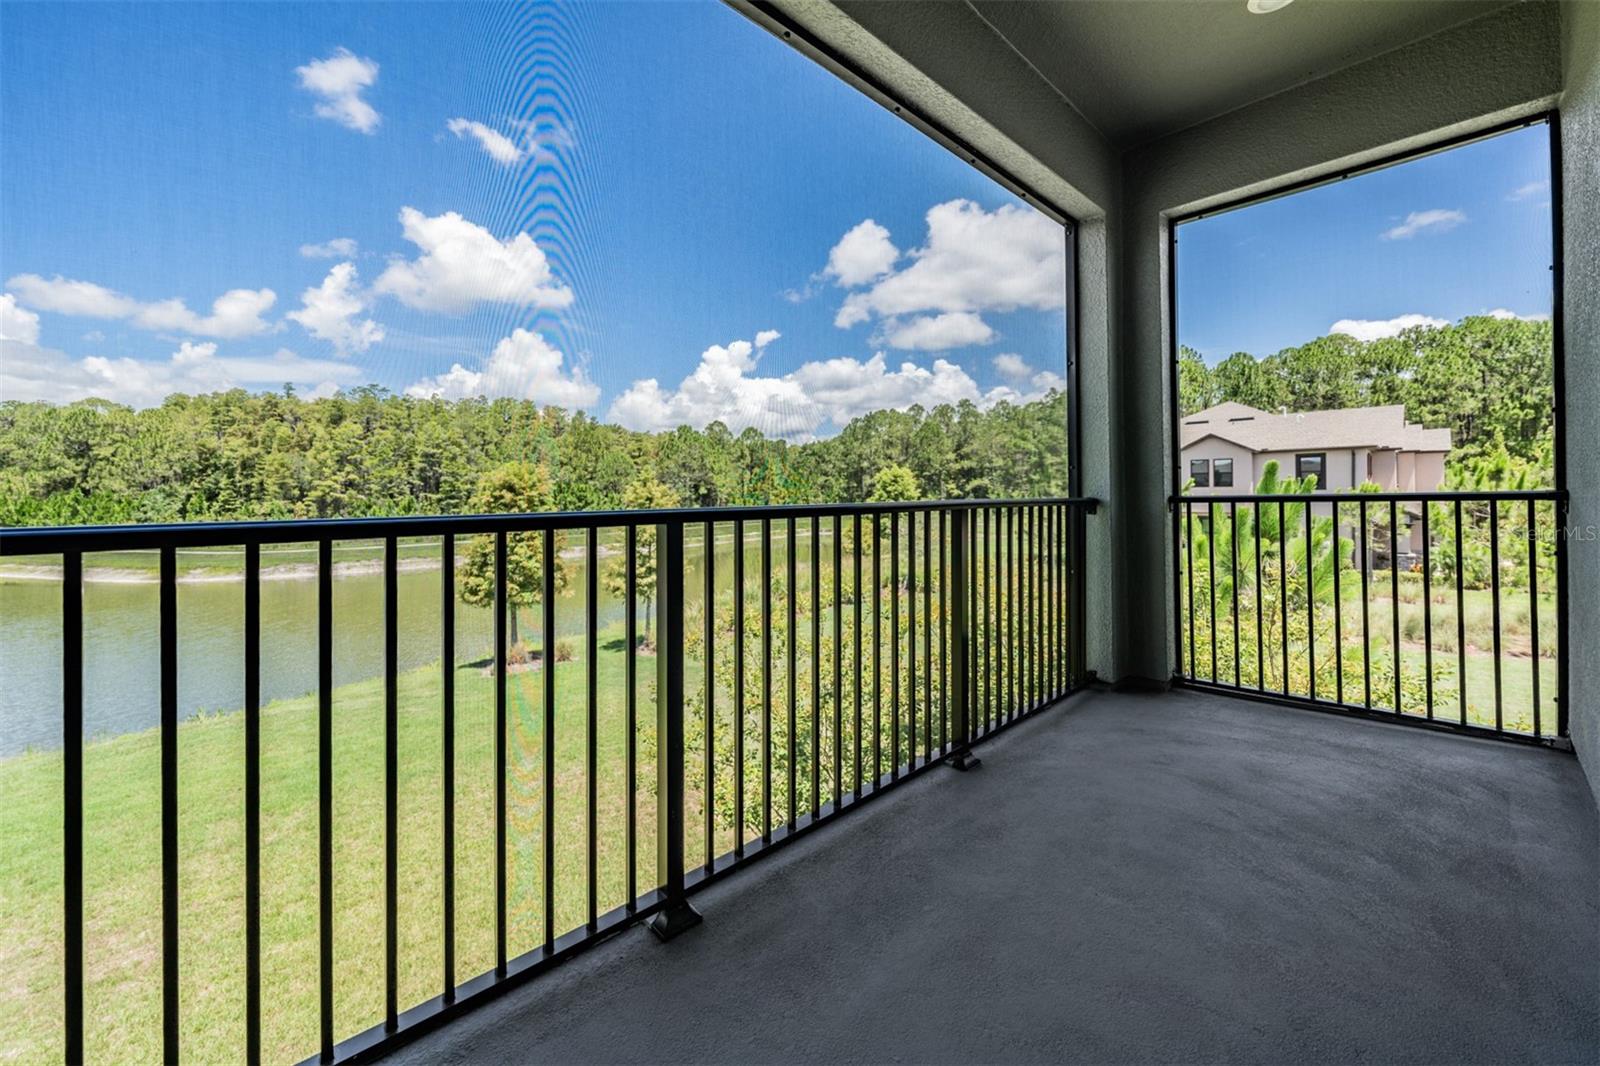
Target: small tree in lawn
(644, 493)
(512, 488)
(895, 483)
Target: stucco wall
(1580, 177)
(1501, 66)
(1215, 448)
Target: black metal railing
(1444, 608)
(840, 650)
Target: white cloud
(1366, 329)
(726, 387)
(974, 260)
(337, 248)
(766, 337)
(937, 333)
(863, 254)
(1437, 220)
(1027, 384)
(501, 149)
(1501, 312)
(463, 264)
(30, 372)
(236, 313)
(1533, 188)
(329, 311)
(1012, 367)
(340, 80)
(17, 323)
(524, 366)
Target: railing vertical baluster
(894, 646)
(1427, 608)
(738, 687)
(839, 658)
(927, 635)
(325, 792)
(969, 632)
(991, 615)
(944, 634)
(877, 649)
(961, 756)
(591, 740)
(1052, 586)
(630, 702)
(391, 783)
(447, 749)
(72, 803)
(1261, 655)
(1311, 611)
(1058, 586)
(1211, 581)
(547, 637)
(1494, 602)
(1366, 613)
(791, 598)
(911, 638)
(1283, 591)
(1233, 581)
(1033, 577)
(1338, 610)
(1188, 570)
(1039, 593)
(1041, 607)
(1461, 620)
(708, 696)
(501, 607)
(1008, 632)
(1394, 596)
(816, 668)
(252, 803)
(1533, 607)
(1028, 651)
(676, 915)
(766, 680)
(169, 804)
(856, 598)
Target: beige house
(1226, 449)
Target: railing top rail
(50, 540)
(1344, 496)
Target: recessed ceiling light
(1266, 7)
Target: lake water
(122, 653)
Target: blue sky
(561, 203)
(1458, 233)
(655, 212)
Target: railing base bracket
(964, 760)
(673, 919)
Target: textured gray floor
(1172, 878)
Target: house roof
(1352, 427)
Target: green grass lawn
(123, 872)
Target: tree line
(369, 452)
(1489, 380)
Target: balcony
(1125, 781)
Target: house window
(1222, 471)
(1200, 472)
(1312, 466)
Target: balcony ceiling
(1139, 71)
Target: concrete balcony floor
(1133, 878)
